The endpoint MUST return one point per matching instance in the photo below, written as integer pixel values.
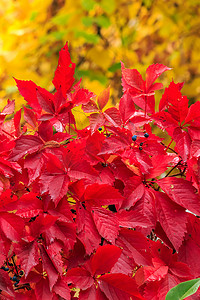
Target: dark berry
(134, 138)
(100, 129)
(141, 144)
(14, 278)
(4, 268)
(146, 135)
(140, 148)
(16, 284)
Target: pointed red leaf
(25, 144)
(96, 120)
(45, 102)
(134, 245)
(42, 290)
(183, 143)
(30, 117)
(28, 254)
(172, 218)
(80, 277)
(193, 113)
(61, 288)
(126, 107)
(102, 194)
(131, 78)
(5, 284)
(8, 223)
(181, 192)
(119, 286)
(104, 259)
(64, 74)
(132, 219)
(106, 223)
(49, 267)
(28, 90)
(9, 108)
(153, 72)
(87, 231)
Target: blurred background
(101, 33)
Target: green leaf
(102, 21)
(87, 21)
(33, 16)
(115, 67)
(183, 290)
(108, 6)
(91, 75)
(61, 20)
(88, 4)
(90, 38)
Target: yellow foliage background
(101, 33)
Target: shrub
(108, 211)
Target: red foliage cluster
(107, 212)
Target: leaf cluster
(106, 212)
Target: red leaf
(25, 144)
(80, 277)
(34, 163)
(132, 78)
(8, 223)
(106, 223)
(45, 102)
(49, 267)
(103, 98)
(155, 273)
(161, 163)
(92, 293)
(193, 113)
(134, 245)
(183, 143)
(29, 205)
(87, 231)
(126, 107)
(181, 192)
(9, 108)
(28, 254)
(189, 252)
(42, 290)
(119, 286)
(5, 284)
(104, 259)
(124, 265)
(64, 74)
(158, 290)
(28, 90)
(132, 219)
(96, 120)
(172, 218)
(30, 117)
(62, 289)
(112, 116)
(102, 194)
(55, 185)
(113, 145)
(152, 73)
(82, 96)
